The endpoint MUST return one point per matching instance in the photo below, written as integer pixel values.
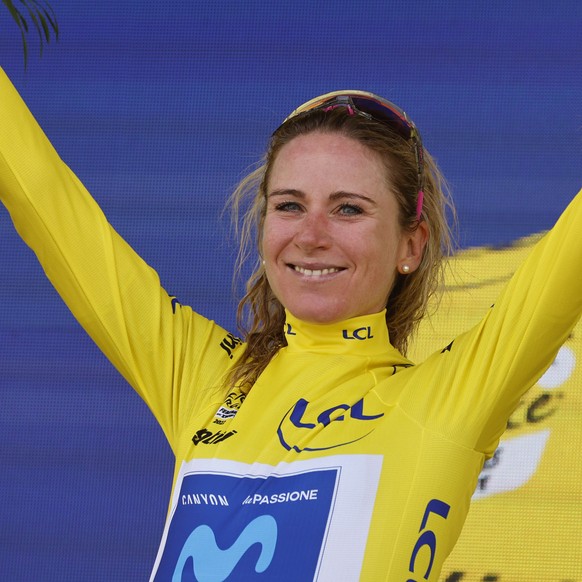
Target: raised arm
(114, 294)
(485, 371)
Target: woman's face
(331, 240)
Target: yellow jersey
(345, 461)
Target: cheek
(381, 274)
(383, 261)
(267, 242)
(276, 234)
(272, 243)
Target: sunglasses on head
(374, 107)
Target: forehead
(327, 158)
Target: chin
(321, 316)
(328, 314)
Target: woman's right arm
(111, 291)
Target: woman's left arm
(486, 370)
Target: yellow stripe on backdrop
(525, 523)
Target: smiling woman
(348, 216)
(332, 241)
(386, 203)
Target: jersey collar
(366, 335)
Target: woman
(314, 449)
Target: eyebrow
(340, 195)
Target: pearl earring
(405, 269)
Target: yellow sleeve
(111, 291)
(483, 374)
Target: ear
(412, 248)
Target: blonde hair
(260, 315)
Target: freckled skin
(330, 207)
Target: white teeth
(315, 272)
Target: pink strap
(348, 107)
(419, 202)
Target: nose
(313, 232)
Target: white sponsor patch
(513, 465)
(560, 370)
(221, 508)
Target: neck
(363, 335)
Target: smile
(316, 272)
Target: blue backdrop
(160, 108)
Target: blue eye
(350, 209)
(287, 206)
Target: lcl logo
(434, 510)
(361, 333)
(302, 417)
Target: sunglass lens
(383, 112)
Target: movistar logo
(211, 564)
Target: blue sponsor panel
(228, 527)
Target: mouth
(315, 272)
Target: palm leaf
(40, 14)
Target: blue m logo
(211, 564)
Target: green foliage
(40, 14)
